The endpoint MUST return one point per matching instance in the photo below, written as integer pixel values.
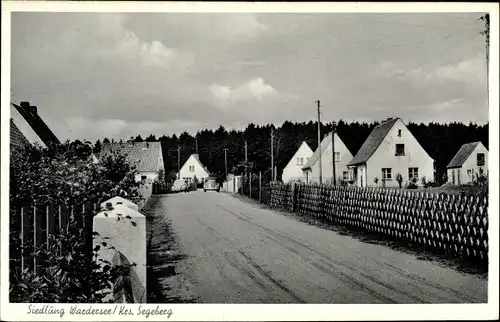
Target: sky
(96, 75)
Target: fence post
(250, 185)
(125, 229)
(293, 195)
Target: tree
(138, 138)
(106, 140)
(399, 179)
(97, 147)
(65, 177)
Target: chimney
(28, 108)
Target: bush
(65, 176)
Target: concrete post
(124, 231)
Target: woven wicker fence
(449, 224)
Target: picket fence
(450, 224)
(38, 223)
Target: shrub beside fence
(36, 236)
(450, 224)
(38, 223)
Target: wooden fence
(451, 224)
(38, 223)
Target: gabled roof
(30, 114)
(197, 158)
(373, 142)
(463, 154)
(145, 155)
(17, 138)
(324, 144)
(302, 145)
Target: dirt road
(230, 251)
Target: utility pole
(196, 139)
(272, 154)
(225, 160)
(179, 160)
(333, 153)
(246, 166)
(319, 143)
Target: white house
(390, 149)
(146, 156)
(342, 157)
(193, 167)
(470, 162)
(293, 170)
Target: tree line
(441, 141)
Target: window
(345, 175)
(337, 156)
(387, 173)
(300, 161)
(144, 177)
(400, 149)
(469, 172)
(399, 132)
(191, 168)
(480, 159)
(412, 173)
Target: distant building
(390, 149)
(146, 156)
(468, 164)
(193, 168)
(342, 157)
(293, 170)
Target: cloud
(254, 89)
(470, 71)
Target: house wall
(462, 175)
(384, 157)
(198, 170)
(151, 175)
(293, 170)
(327, 163)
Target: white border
(253, 312)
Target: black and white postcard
(213, 161)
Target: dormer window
(399, 132)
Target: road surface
(233, 251)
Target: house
(468, 164)
(26, 119)
(146, 156)
(342, 157)
(389, 150)
(293, 170)
(193, 168)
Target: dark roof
(17, 139)
(462, 155)
(145, 155)
(373, 141)
(30, 114)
